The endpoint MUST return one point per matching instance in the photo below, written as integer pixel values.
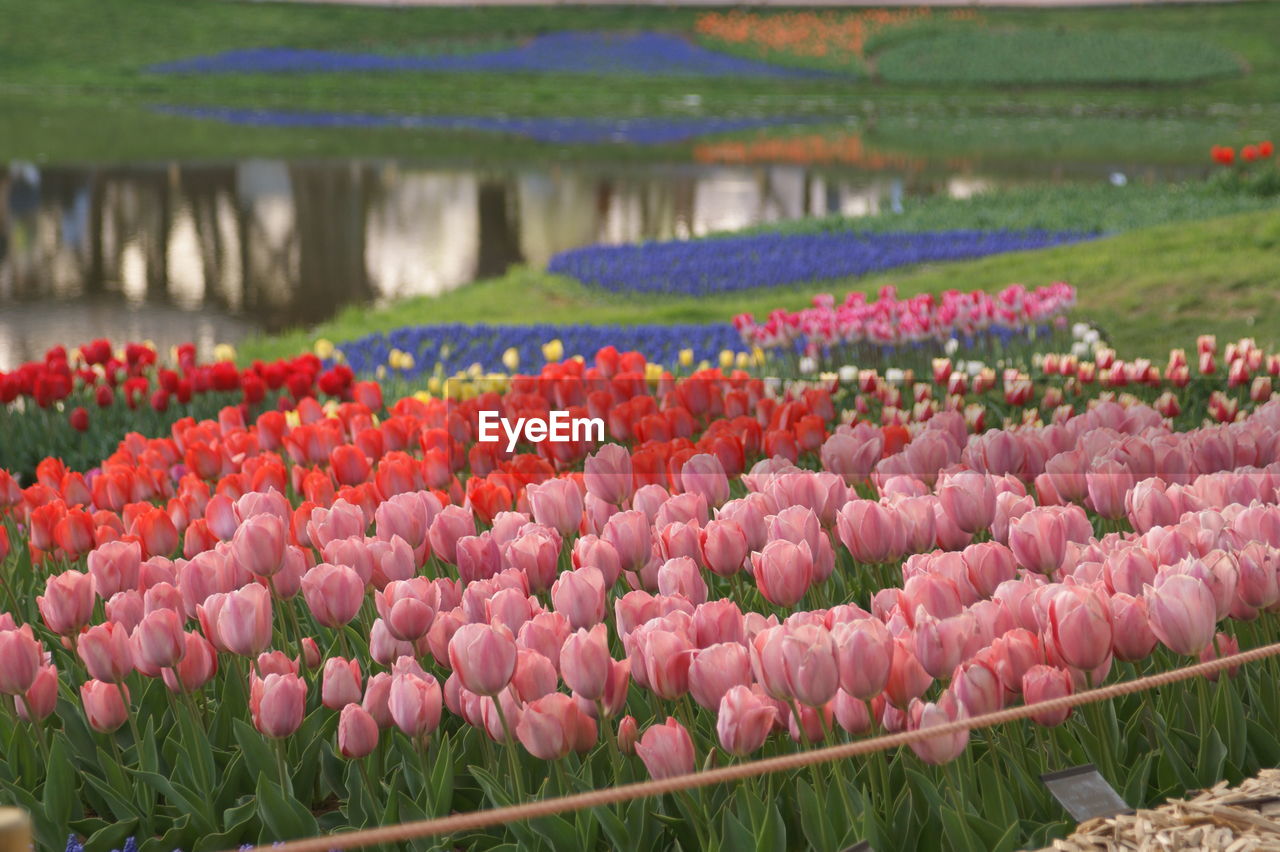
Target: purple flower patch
(645, 53)
(729, 264)
(563, 131)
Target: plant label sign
(1084, 793)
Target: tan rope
(736, 772)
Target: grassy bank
(104, 47)
(1149, 289)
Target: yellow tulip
(324, 347)
(553, 350)
(224, 352)
(511, 358)
(686, 357)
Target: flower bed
(642, 53)
(254, 629)
(732, 263)
(452, 347)
(560, 131)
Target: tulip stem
(511, 750)
(280, 765)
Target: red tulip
(79, 418)
(666, 749)
(357, 732)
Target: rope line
(736, 772)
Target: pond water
(212, 252)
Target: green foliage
(1053, 57)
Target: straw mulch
(1222, 819)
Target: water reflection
(213, 251)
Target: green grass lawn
(1150, 289)
(60, 58)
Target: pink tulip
(556, 503)
(666, 657)
(1258, 564)
(680, 576)
(353, 553)
(870, 531)
(536, 552)
(864, 654)
(534, 676)
(907, 678)
(333, 593)
(1129, 569)
(377, 695)
(1038, 540)
(718, 621)
(977, 687)
(934, 593)
(666, 749)
(478, 557)
(585, 662)
(258, 545)
(484, 657)
(20, 660)
(408, 607)
(197, 667)
(717, 669)
(451, 524)
(277, 703)
(744, 720)
(1223, 645)
(723, 547)
(67, 602)
(810, 724)
(1043, 683)
(401, 516)
(104, 706)
(749, 513)
(597, 553)
(987, 565)
(388, 561)
(797, 662)
(1182, 613)
(415, 703)
(127, 609)
(244, 621)
(944, 747)
(357, 732)
(1131, 635)
(580, 597)
(340, 521)
(1012, 654)
(545, 633)
(341, 683)
(852, 457)
(704, 475)
(608, 476)
(1080, 626)
(159, 641)
(940, 642)
(630, 534)
(628, 734)
(852, 714)
(553, 725)
(783, 571)
(968, 500)
(106, 652)
(114, 567)
(41, 698)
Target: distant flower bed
(578, 131)
(644, 53)
(458, 346)
(728, 264)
